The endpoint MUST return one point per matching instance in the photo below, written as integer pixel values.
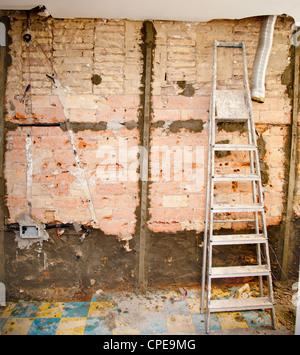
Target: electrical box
(30, 232)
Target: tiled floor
(160, 312)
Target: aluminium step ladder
(235, 106)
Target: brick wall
(184, 54)
(77, 51)
(84, 168)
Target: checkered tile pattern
(165, 312)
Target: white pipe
(2, 35)
(262, 58)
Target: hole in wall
(96, 79)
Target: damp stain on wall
(195, 126)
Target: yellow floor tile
(125, 325)
(151, 308)
(5, 312)
(123, 330)
(51, 310)
(193, 304)
(180, 323)
(218, 293)
(71, 326)
(17, 326)
(99, 309)
(230, 320)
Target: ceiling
(177, 10)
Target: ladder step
(238, 239)
(233, 220)
(234, 147)
(236, 177)
(220, 208)
(232, 119)
(240, 304)
(229, 44)
(239, 271)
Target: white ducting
(2, 35)
(262, 58)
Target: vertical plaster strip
(149, 33)
(297, 327)
(29, 170)
(2, 144)
(293, 165)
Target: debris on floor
(243, 292)
(183, 293)
(155, 311)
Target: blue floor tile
(105, 297)
(177, 307)
(154, 324)
(2, 322)
(76, 309)
(199, 322)
(25, 310)
(257, 318)
(96, 326)
(44, 326)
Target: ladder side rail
(254, 194)
(263, 218)
(252, 133)
(207, 208)
(269, 279)
(213, 128)
(253, 170)
(208, 221)
(211, 214)
(209, 272)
